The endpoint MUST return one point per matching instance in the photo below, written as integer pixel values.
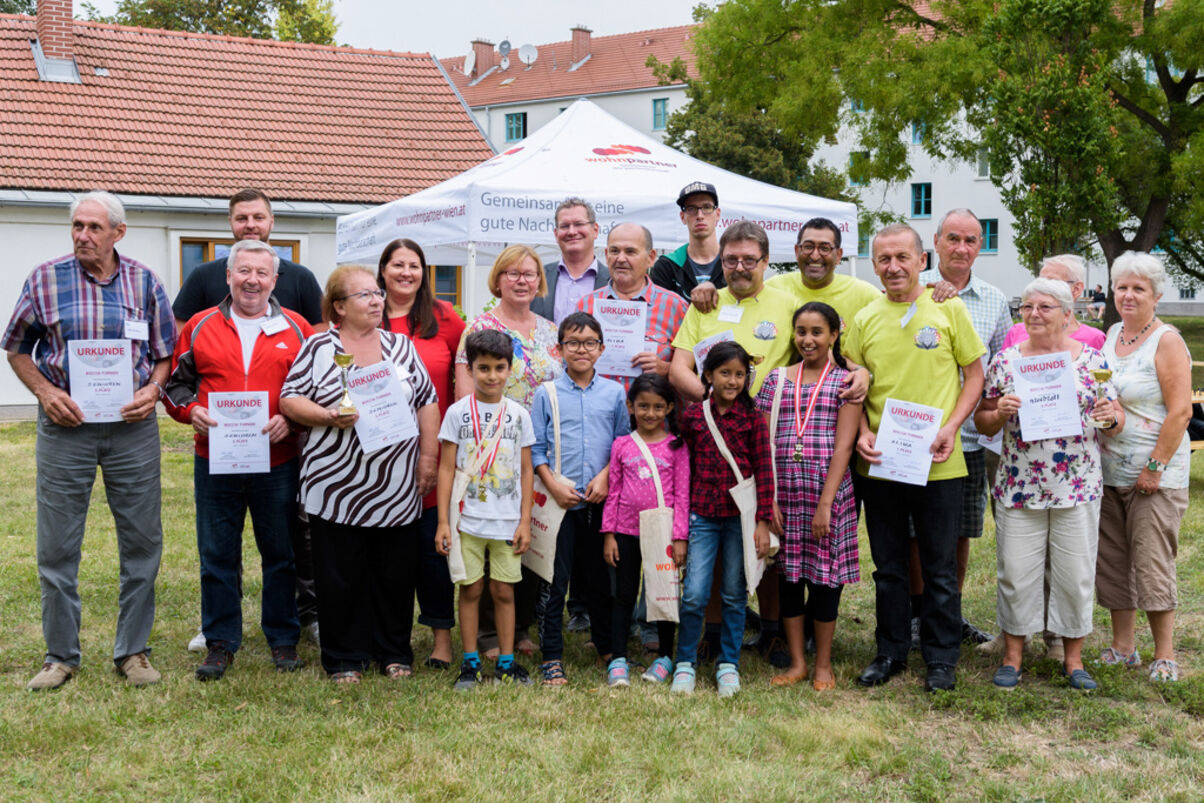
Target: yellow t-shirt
(846, 294)
(918, 362)
(763, 328)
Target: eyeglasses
(1044, 309)
(747, 263)
(516, 276)
(363, 294)
(581, 345)
(824, 248)
(571, 226)
(705, 209)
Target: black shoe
(915, 633)
(470, 676)
(512, 674)
(578, 623)
(216, 662)
(880, 670)
(286, 660)
(972, 635)
(940, 677)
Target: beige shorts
(504, 565)
(1138, 542)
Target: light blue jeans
(713, 538)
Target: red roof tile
(202, 115)
(616, 63)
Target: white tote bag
(455, 558)
(546, 514)
(744, 494)
(662, 581)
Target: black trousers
(365, 578)
(627, 589)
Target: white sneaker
(198, 643)
(683, 679)
(727, 677)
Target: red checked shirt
(747, 438)
(666, 311)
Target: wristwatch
(1155, 465)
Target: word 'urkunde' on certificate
(238, 443)
(101, 373)
(905, 436)
(383, 403)
(1049, 402)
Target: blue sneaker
(616, 673)
(683, 679)
(728, 679)
(660, 671)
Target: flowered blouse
(536, 358)
(1054, 472)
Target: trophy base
(345, 411)
(1098, 424)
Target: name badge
(731, 313)
(137, 330)
(273, 325)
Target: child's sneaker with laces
(660, 671)
(683, 679)
(470, 676)
(616, 673)
(512, 674)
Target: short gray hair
(569, 203)
(961, 210)
(253, 245)
(1073, 263)
(113, 206)
(1141, 265)
(1053, 288)
(898, 228)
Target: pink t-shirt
(1087, 335)
(632, 488)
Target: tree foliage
(1089, 111)
(17, 6)
(291, 20)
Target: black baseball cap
(695, 188)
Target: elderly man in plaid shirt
(94, 294)
(957, 242)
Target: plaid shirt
(747, 437)
(61, 301)
(992, 318)
(666, 310)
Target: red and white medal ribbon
(478, 432)
(800, 426)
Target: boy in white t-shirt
(495, 516)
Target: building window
(445, 279)
(195, 250)
(516, 126)
(990, 235)
(660, 113)
(921, 200)
(857, 166)
(984, 164)
(1187, 293)
(917, 133)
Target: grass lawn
(259, 735)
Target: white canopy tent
(626, 175)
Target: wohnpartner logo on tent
(626, 154)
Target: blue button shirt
(591, 418)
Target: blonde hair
(336, 288)
(510, 257)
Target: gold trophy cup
(1100, 375)
(346, 406)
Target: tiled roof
(202, 115)
(616, 63)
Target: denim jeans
(222, 502)
(713, 538)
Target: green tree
(1089, 111)
(17, 6)
(293, 20)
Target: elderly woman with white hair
(1145, 468)
(1071, 269)
(1048, 488)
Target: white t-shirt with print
(493, 503)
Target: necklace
(801, 421)
(1136, 337)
